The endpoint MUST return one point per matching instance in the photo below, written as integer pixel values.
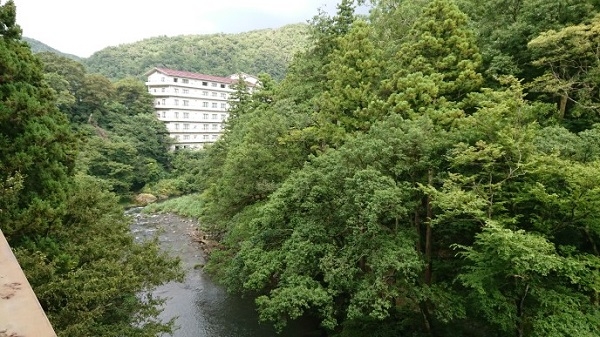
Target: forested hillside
(433, 170)
(39, 47)
(267, 50)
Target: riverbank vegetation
(431, 169)
(61, 160)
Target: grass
(188, 205)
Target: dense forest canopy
(429, 170)
(255, 52)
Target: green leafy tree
(504, 32)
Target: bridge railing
(20, 312)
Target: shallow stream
(201, 307)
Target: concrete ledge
(20, 312)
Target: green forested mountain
(267, 50)
(39, 47)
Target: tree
(505, 31)
(350, 103)
(35, 141)
(571, 63)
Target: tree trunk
(520, 328)
(428, 235)
(562, 106)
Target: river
(201, 307)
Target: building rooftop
(190, 75)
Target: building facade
(194, 107)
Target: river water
(201, 308)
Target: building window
(186, 137)
(204, 83)
(205, 104)
(186, 91)
(186, 126)
(162, 89)
(162, 79)
(205, 127)
(223, 106)
(213, 84)
(223, 116)
(175, 79)
(164, 114)
(186, 102)
(205, 93)
(224, 95)
(205, 137)
(176, 113)
(176, 90)
(214, 116)
(176, 102)
(158, 115)
(164, 101)
(186, 114)
(176, 126)
(204, 116)
(222, 85)
(185, 80)
(214, 105)
(214, 126)
(214, 136)
(214, 94)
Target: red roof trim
(195, 76)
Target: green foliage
(571, 63)
(520, 282)
(36, 145)
(255, 52)
(69, 234)
(438, 65)
(505, 31)
(122, 142)
(190, 205)
(431, 206)
(90, 277)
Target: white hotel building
(193, 106)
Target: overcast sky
(82, 27)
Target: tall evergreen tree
(35, 140)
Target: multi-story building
(193, 106)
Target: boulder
(144, 199)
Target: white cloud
(83, 27)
